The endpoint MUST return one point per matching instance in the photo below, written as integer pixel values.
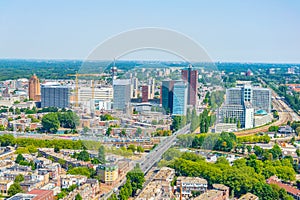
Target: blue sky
(246, 31)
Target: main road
(155, 155)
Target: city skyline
(270, 34)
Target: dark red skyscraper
(191, 77)
(145, 90)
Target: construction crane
(77, 85)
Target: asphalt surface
(155, 155)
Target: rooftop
(121, 82)
(192, 180)
(220, 187)
(21, 196)
(210, 195)
(288, 188)
(40, 192)
(249, 196)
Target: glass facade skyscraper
(180, 97)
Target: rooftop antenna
(113, 70)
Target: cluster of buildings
(48, 178)
(185, 188)
(177, 95)
(246, 106)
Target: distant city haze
(235, 31)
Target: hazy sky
(247, 31)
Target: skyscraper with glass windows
(180, 98)
(122, 93)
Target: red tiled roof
(40, 192)
(288, 188)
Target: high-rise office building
(55, 95)
(34, 88)
(167, 95)
(134, 87)
(122, 93)
(151, 88)
(180, 96)
(260, 98)
(191, 77)
(243, 102)
(145, 93)
(234, 113)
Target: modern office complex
(191, 77)
(122, 93)
(260, 98)
(55, 95)
(34, 88)
(244, 114)
(242, 103)
(180, 97)
(167, 95)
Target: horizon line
(146, 60)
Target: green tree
(2, 128)
(101, 154)
(273, 128)
(56, 149)
(84, 156)
(68, 119)
(131, 147)
(78, 197)
(19, 158)
(140, 149)
(249, 149)
(19, 178)
(265, 191)
(106, 117)
(178, 122)
(268, 171)
(171, 153)
(285, 173)
(136, 178)
(238, 124)
(108, 131)
(276, 152)
(14, 189)
(258, 151)
(226, 142)
(113, 197)
(194, 120)
(61, 161)
(50, 122)
(123, 132)
(125, 191)
(298, 152)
